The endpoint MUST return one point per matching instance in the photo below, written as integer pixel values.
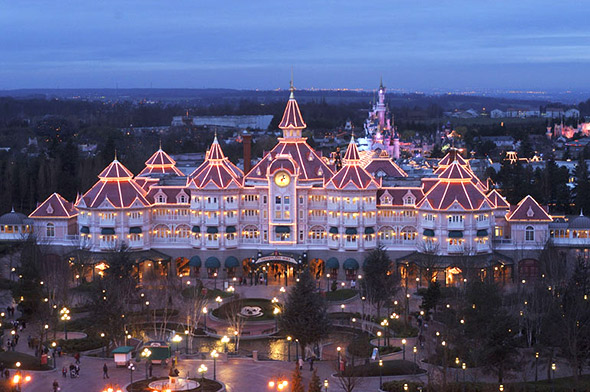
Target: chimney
(247, 140)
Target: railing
(212, 221)
(455, 249)
(106, 222)
(456, 225)
(212, 244)
(485, 224)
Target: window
(300, 214)
(282, 236)
(351, 238)
(286, 214)
(317, 233)
(278, 214)
(317, 213)
(408, 201)
(249, 213)
(301, 235)
(182, 199)
(455, 218)
(386, 234)
(161, 199)
(231, 236)
(250, 233)
(50, 230)
(408, 234)
(252, 198)
(498, 231)
(481, 218)
(182, 232)
(264, 199)
(278, 200)
(317, 198)
(135, 215)
(300, 199)
(265, 235)
(134, 237)
(429, 217)
(230, 199)
(529, 234)
(212, 237)
(230, 214)
(287, 199)
(387, 214)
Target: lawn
(390, 368)
(223, 312)
(28, 362)
(189, 292)
(340, 295)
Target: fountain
(174, 383)
(251, 311)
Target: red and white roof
(457, 170)
(352, 173)
(528, 210)
(311, 166)
(292, 118)
(455, 185)
(217, 170)
(452, 156)
(160, 163)
(397, 195)
(498, 200)
(172, 194)
(55, 206)
(384, 164)
(115, 189)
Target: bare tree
(429, 259)
(162, 309)
(193, 306)
(235, 319)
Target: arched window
(161, 231)
(317, 233)
(386, 234)
(50, 230)
(529, 233)
(183, 231)
(250, 234)
(408, 234)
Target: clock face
(282, 178)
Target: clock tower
(282, 178)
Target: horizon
(456, 45)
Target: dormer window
(408, 201)
(182, 199)
(161, 198)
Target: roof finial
(291, 87)
(215, 138)
(381, 82)
(115, 154)
(160, 149)
(581, 212)
(12, 210)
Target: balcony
(370, 242)
(484, 224)
(136, 244)
(138, 221)
(351, 245)
(106, 222)
(428, 224)
(456, 225)
(317, 241)
(485, 247)
(212, 221)
(350, 207)
(211, 206)
(231, 220)
(333, 243)
(212, 243)
(231, 243)
(351, 221)
(455, 248)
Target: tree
(297, 380)
(582, 189)
(305, 316)
(379, 282)
(315, 384)
(431, 297)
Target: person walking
(105, 371)
(300, 361)
(77, 358)
(150, 369)
(311, 364)
(55, 386)
(64, 372)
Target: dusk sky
(421, 45)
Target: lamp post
(553, 368)
(205, 317)
(186, 332)
(380, 373)
(103, 345)
(379, 338)
(536, 369)
(464, 367)
(202, 369)
(54, 345)
(236, 334)
(338, 349)
(342, 308)
(146, 353)
(289, 339)
(225, 341)
(65, 317)
(177, 339)
(297, 349)
(219, 300)
(457, 363)
(278, 384)
(404, 341)
(326, 385)
(327, 282)
(415, 349)
(131, 368)
(214, 355)
(18, 379)
(276, 312)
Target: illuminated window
(50, 231)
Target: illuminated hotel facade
(297, 206)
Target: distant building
(497, 113)
(572, 113)
(240, 122)
(554, 112)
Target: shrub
(72, 346)
(398, 386)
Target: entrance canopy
(277, 257)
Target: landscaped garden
(251, 309)
(340, 295)
(28, 362)
(390, 368)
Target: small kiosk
(122, 355)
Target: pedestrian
(7, 374)
(150, 369)
(300, 363)
(64, 372)
(311, 364)
(55, 386)
(77, 358)
(105, 371)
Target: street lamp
(276, 312)
(326, 385)
(225, 341)
(553, 368)
(380, 374)
(177, 339)
(219, 300)
(342, 308)
(214, 355)
(65, 317)
(205, 317)
(415, 349)
(404, 349)
(464, 367)
(338, 349)
(379, 338)
(146, 353)
(536, 367)
(202, 369)
(111, 389)
(279, 384)
(103, 345)
(131, 368)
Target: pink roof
(398, 195)
(55, 206)
(386, 165)
(352, 172)
(445, 193)
(170, 192)
(160, 163)
(452, 156)
(498, 200)
(292, 116)
(117, 186)
(216, 170)
(115, 171)
(311, 166)
(455, 171)
(528, 210)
